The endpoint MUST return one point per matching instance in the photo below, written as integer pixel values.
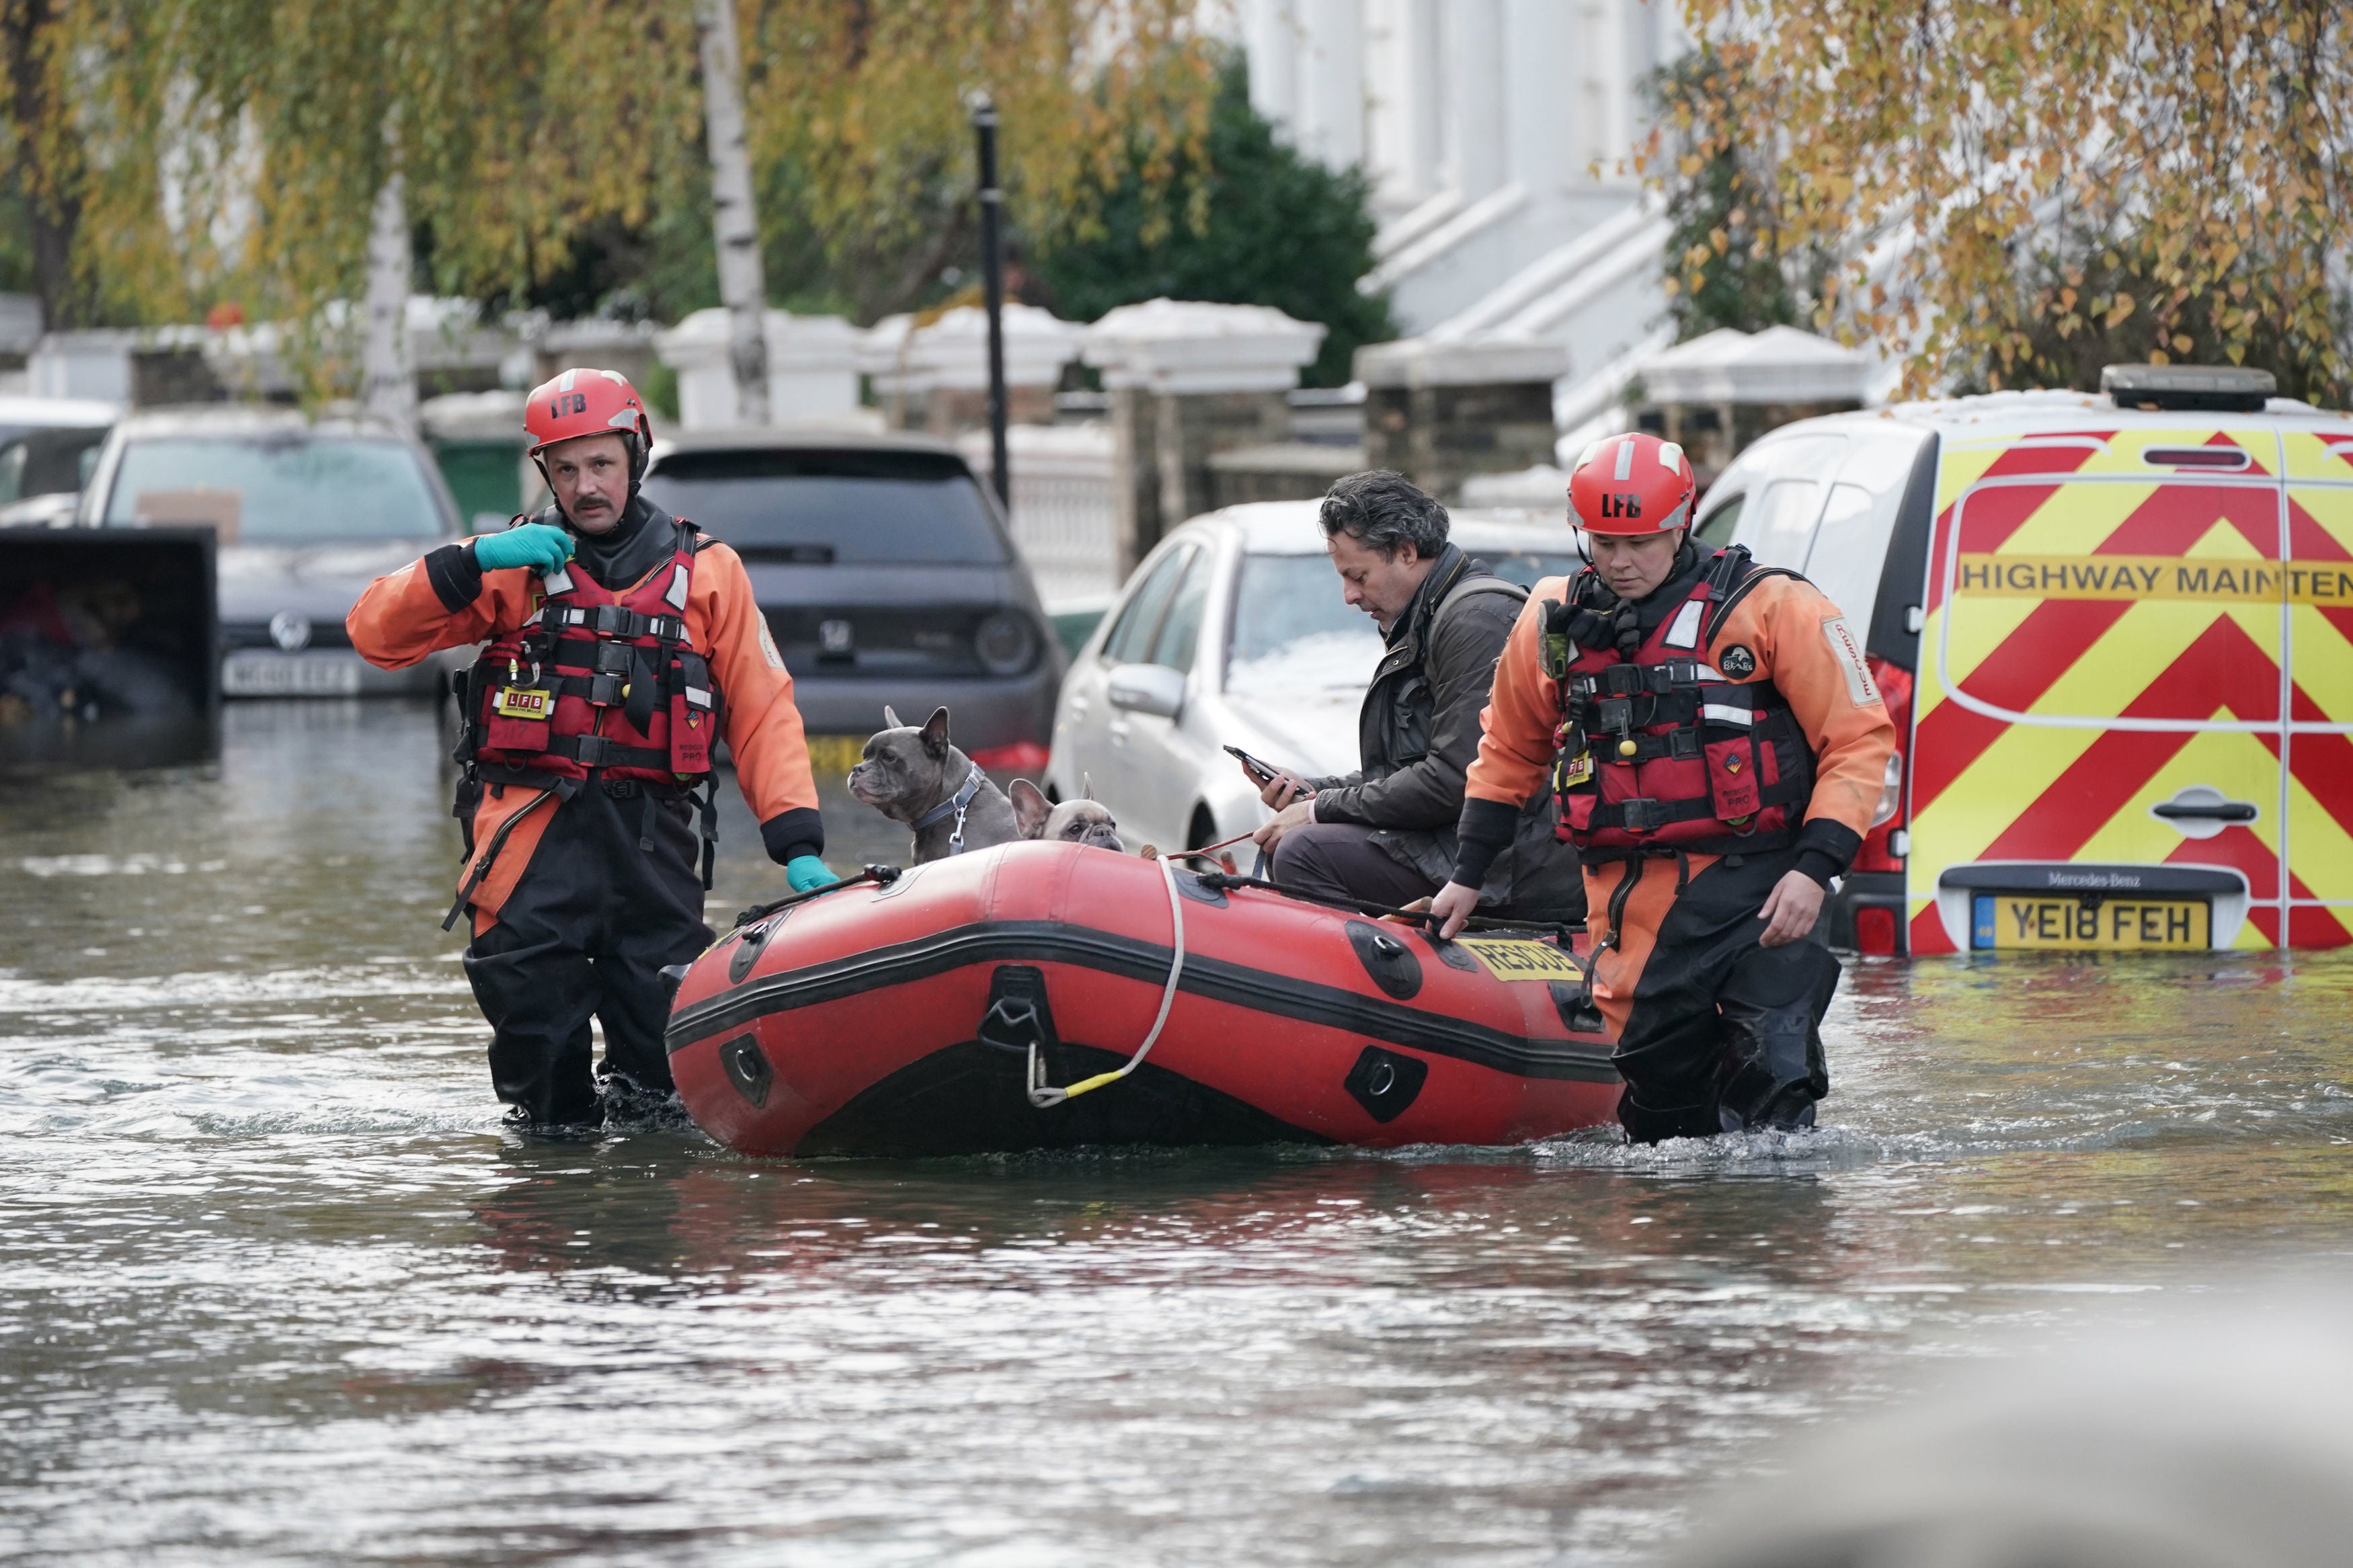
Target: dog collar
(955, 805)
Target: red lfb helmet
(587, 403)
(1631, 484)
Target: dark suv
(886, 575)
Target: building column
(1332, 82)
(1473, 44)
(1271, 34)
(1540, 113)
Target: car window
(49, 462)
(1714, 530)
(1781, 531)
(813, 506)
(308, 489)
(1292, 634)
(1132, 636)
(1180, 629)
(1850, 547)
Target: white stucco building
(1481, 123)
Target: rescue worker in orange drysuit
(1717, 745)
(622, 645)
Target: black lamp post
(992, 279)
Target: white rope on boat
(1041, 1093)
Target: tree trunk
(735, 223)
(52, 205)
(387, 380)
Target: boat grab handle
(1043, 1094)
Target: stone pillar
(812, 369)
(934, 375)
(1188, 381)
(1439, 411)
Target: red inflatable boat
(999, 1000)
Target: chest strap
(616, 621)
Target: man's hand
(1454, 904)
(1790, 912)
(1280, 790)
(803, 872)
(538, 545)
(1295, 815)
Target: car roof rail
(2213, 388)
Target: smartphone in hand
(1265, 773)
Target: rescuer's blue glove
(538, 545)
(806, 871)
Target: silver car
(307, 512)
(1232, 632)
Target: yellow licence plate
(2013, 920)
(835, 755)
(1517, 958)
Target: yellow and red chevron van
(2117, 635)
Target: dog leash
(956, 805)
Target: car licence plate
(2019, 920)
(264, 672)
(834, 755)
(1519, 958)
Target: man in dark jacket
(1385, 834)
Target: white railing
(1064, 521)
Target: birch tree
(734, 221)
(204, 151)
(2014, 190)
(387, 376)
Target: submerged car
(1233, 633)
(2116, 634)
(886, 578)
(306, 513)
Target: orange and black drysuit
(1704, 742)
(591, 717)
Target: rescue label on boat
(1517, 958)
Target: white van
(2116, 634)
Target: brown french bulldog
(914, 776)
(1081, 821)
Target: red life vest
(598, 684)
(1662, 752)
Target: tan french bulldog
(1081, 821)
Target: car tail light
(1891, 790)
(1879, 851)
(1021, 757)
(1875, 932)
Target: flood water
(277, 1288)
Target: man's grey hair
(1380, 510)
